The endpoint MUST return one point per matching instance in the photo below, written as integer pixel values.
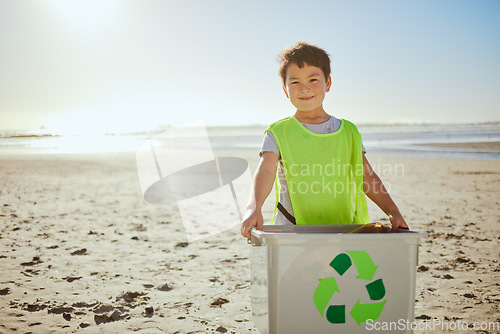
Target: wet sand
(488, 146)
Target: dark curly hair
(301, 53)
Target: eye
(294, 82)
(314, 80)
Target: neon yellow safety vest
(324, 173)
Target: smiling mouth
(306, 98)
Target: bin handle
(254, 241)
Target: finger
(246, 234)
(394, 228)
(244, 231)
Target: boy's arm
(262, 186)
(375, 190)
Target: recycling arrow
(364, 264)
(362, 312)
(341, 263)
(324, 292)
(336, 314)
(376, 289)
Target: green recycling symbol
(327, 287)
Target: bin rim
(327, 232)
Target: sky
(118, 66)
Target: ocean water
(430, 140)
(400, 139)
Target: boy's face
(306, 87)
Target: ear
(328, 84)
(286, 93)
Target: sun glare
(87, 17)
(85, 131)
(79, 123)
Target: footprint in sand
(82, 251)
(36, 260)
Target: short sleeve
(269, 144)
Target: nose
(304, 87)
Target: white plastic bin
(321, 279)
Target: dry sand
(81, 251)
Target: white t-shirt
(269, 145)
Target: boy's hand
(263, 184)
(252, 219)
(396, 222)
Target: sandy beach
(81, 251)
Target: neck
(312, 117)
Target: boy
(323, 174)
